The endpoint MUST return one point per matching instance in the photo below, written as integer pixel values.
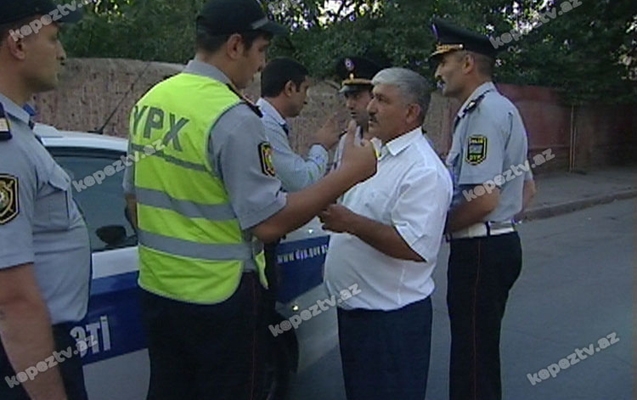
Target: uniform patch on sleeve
(8, 198)
(265, 154)
(476, 149)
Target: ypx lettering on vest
(157, 119)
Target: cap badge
(349, 65)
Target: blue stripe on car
(114, 317)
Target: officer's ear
(14, 44)
(16, 47)
(15, 36)
(289, 88)
(235, 46)
(469, 61)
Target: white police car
(116, 366)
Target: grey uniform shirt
(295, 172)
(489, 145)
(234, 153)
(39, 221)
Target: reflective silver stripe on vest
(189, 209)
(170, 159)
(209, 252)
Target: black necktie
(286, 129)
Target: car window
(101, 204)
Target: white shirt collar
(267, 108)
(395, 146)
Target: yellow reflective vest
(191, 247)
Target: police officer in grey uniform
(214, 351)
(356, 75)
(284, 86)
(44, 243)
(487, 160)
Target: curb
(571, 206)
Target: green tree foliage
(585, 48)
(588, 52)
(157, 30)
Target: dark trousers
(70, 368)
(206, 352)
(481, 273)
(270, 295)
(385, 354)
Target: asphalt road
(576, 289)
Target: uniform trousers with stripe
(206, 352)
(385, 354)
(480, 275)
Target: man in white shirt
(388, 232)
(284, 85)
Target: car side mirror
(111, 234)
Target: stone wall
(92, 89)
(580, 138)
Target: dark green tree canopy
(587, 49)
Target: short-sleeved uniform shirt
(234, 153)
(489, 145)
(39, 221)
(295, 172)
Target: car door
(117, 365)
(117, 360)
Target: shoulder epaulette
(247, 101)
(473, 104)
(5, 131)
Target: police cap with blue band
(17, 10)
(451, 38)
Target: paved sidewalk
(564, 192)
